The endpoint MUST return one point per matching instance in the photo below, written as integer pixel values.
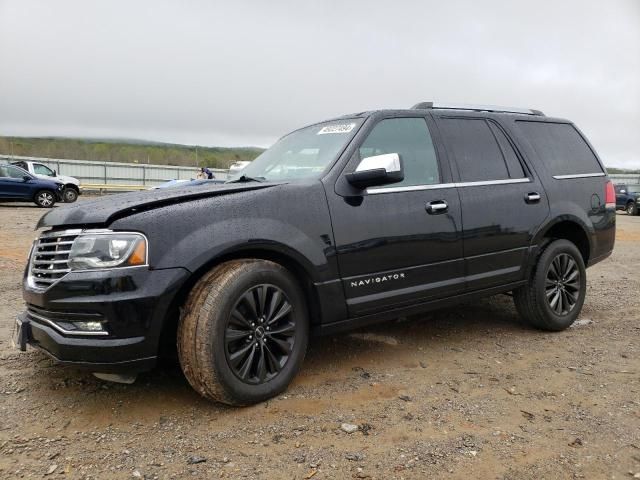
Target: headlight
(107, 250)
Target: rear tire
(631, 208)
(69, 195)
(45, 199)
(243, 332)
(556, 288)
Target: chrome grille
(50, 257)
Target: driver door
(394, 248)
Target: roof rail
(476, 108)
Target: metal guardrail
(633, 178)
(103, 187)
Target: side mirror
(377, 170)
(26, 178)
(55, 174)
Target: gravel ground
(461, 392)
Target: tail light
(610, 196)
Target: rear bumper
(593, 261)
(133, 305)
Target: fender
(232, 236)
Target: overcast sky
(243, 73)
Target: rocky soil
(467, 392)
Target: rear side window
(510, 158)
(481, 150)
(560, 147)
(7, 171)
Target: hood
(57, 179)
(104, 210)
(65, 179)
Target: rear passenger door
(503, 202)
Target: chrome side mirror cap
(377, 170)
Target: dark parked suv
(340, 224)
(628, 198)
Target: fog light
(89, 326)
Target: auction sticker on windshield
(338, 128)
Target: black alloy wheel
(556, 287)
(562, 284)
(243, 331)
(260, 334)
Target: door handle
(436, 207)
(532, 197)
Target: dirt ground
(467, 392)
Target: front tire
(243, 332)
(554, 295)
(631, 208)
(45, 199)
(69, 195)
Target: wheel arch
(281, 254)
(44, 189)
(570, 228)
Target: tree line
(126, 151)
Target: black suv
(340, 224)
(628, 198)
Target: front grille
(50, 257)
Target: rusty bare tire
(243, 332)
(69, 195)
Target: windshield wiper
(246, 178)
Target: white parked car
(71, 185)
(237, 167)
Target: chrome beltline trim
(493, 182)
(410, 188)
(579, 175)
(414, 188)
(60, 329)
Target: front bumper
(132, 303)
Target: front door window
(410, 138)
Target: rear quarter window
(560, 147)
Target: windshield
(303, 154)
(633, 189)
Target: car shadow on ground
(32, 206)
(165, 391)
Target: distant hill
(126, 150)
